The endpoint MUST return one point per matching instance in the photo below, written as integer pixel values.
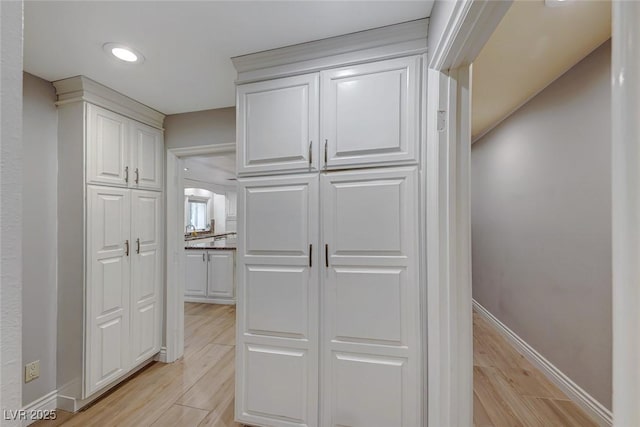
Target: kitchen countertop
(221, 245)
(203, 235)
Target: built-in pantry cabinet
(123, 152)
(330, 313)
(110, 238)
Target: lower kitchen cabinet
(210, 276)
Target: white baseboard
(579, 396)
(205, 300)
(45, 405)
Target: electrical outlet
(31, 371)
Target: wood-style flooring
(509, 391)
(198, 390)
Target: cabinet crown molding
(81, 88)
(407, 38)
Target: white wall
(10, 207)
(541, 223)
(39, 236)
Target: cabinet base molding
(204, 300)
(162, 356)
(73, 404)
(578, 395)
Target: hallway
(198, 390)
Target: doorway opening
(201, 225)
(540, 217)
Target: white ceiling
(187, 44)
(533, 45)
(215, 169)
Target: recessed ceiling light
(124, 53)
(186, 169)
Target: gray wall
(541, 223)
(200, 128)
(39, 235)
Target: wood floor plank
(480, 416)
(178, 415)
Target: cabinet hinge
(442, 120)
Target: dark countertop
(221, 245)
(203, 235)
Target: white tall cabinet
(330, 302)
(111, 244)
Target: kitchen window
(197, 214)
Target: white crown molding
(81, 88)
(472, 23)
(577, 394)
(403, 39)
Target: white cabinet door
(277, 125)
(107, 148)
(221, 274)
(370, 113)
(108, 286)
(195, 283)
(277, 338)
(232, 203)
(146, 269)
(370, 309)
(147, 148)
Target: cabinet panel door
(108, 286)
(107, 148)
(370, 113)
(195, 283)
(371, 331)
(147, 154)
(146, 267)
(220, 283)
(277, 300)
(277, 125)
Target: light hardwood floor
(510, 391)
(198, 390)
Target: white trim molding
(472, 23)
(450, 332)
(625, 77)
(577, 394)
(46, 404)
(81, 88)
(404, 39)
(162, 356)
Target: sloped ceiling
(532, 46)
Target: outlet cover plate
(31, 371)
